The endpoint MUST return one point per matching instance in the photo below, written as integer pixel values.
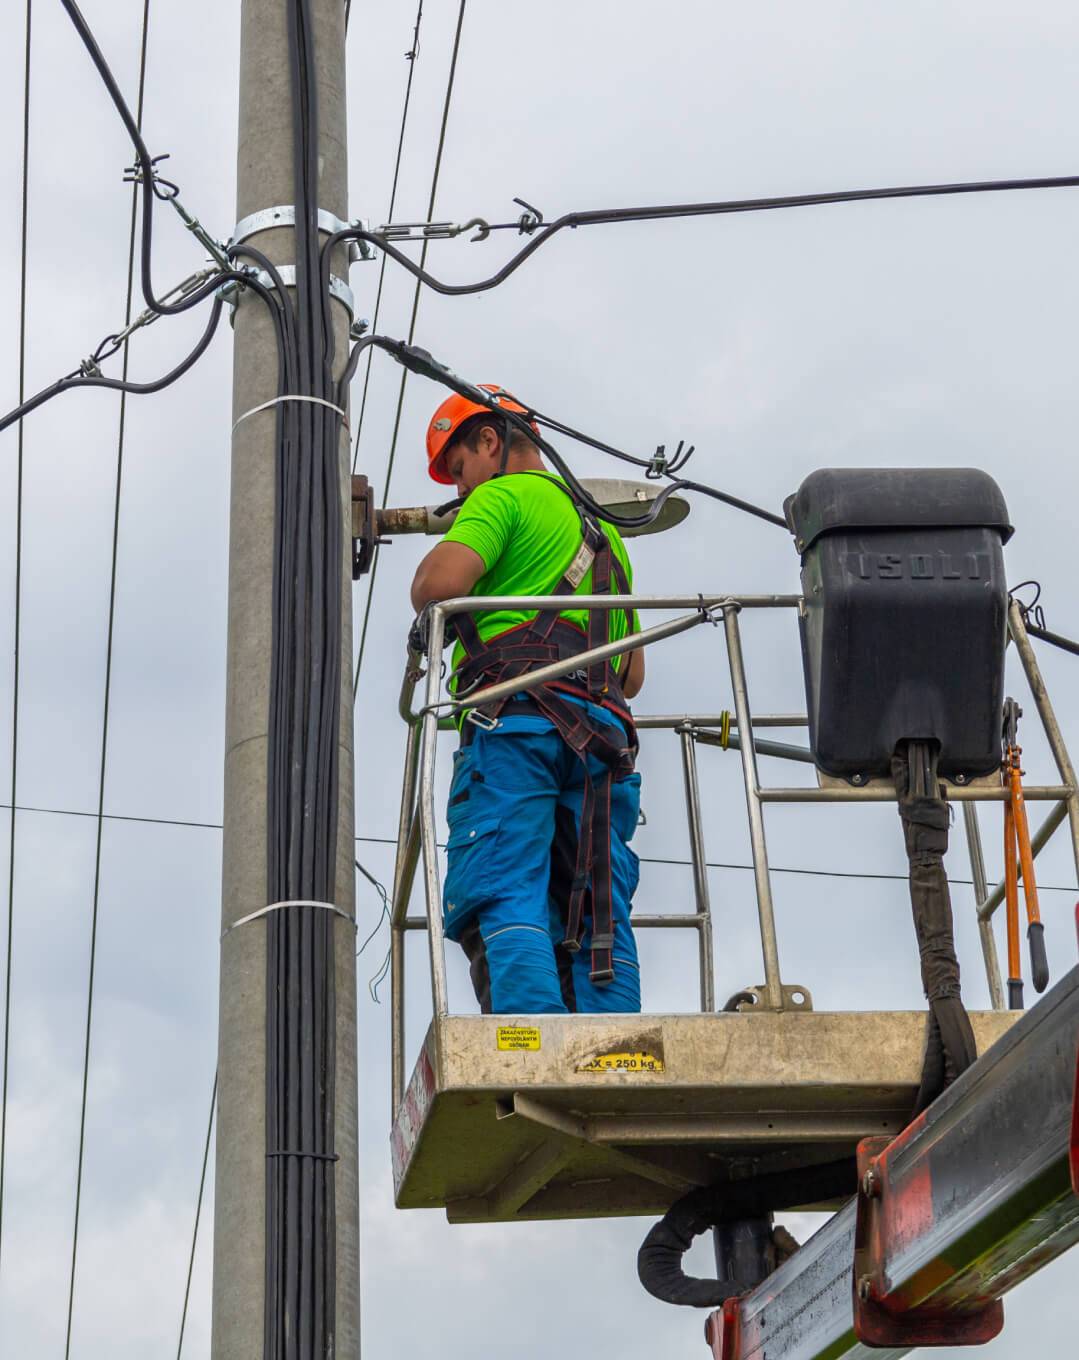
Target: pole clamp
(284, 215)
(229, 292)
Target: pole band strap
(297, 902)
(274, 401)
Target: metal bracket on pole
(723, 1330)
(284, 215)
(230, 292)
(365, 536)
(880, 1317)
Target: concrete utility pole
(265, 180)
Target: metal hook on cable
(530, 219)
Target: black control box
(905, 618)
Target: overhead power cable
(10, 944)
(198, 1215)
(410, 57)
(103, 764)
(417, 360)
(145, 178)
(411, 334)
(609, 216)
(645, 859)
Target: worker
(544, 799)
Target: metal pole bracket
(881, 1317)
(365, 537)
(723, 1330)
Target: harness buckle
(479, 719)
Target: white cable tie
(296, 902)
(274, 401)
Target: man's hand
(448, 570)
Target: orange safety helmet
(449, 418)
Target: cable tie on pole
(295, 902)
(274, 401)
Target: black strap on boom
(950, 1047)
(545, 638)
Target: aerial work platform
(511, 1118)
(558, 1116)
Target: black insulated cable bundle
(303, 776)
(950, 1047)
(418, 360)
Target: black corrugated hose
(950, 1047)
(659, 1260)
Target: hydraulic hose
(659, 1260)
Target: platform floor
(580, 1116)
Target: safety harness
(525, 647)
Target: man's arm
(448, 570)
(633, 673)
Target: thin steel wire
(411, 332)
(198, 1215)
(10, 947)
(645, 859)
(105, 708)
(410, 57)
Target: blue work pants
(514, 816)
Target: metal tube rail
(981, 890)
(780, 749)
(533, 679)
(426, 814)
(773, 984)
(700, 872)
(991, 901)
(1037, 793)
(404, 871)
(474, 604)
(1033, 673)
(664, 921)
(649, 720)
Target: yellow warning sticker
(512, 1038)
(622, 1062)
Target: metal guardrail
(416, 825)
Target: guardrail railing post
(426, 813)
(981, 892)
(773, 984)
(1049, 719)
(403, 874)
(700, 870)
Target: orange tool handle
(1039, 962)
(1011, 903)
(1022, 833)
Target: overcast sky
(914, 333)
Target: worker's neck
(524, 460)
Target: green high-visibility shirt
(528, 531)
